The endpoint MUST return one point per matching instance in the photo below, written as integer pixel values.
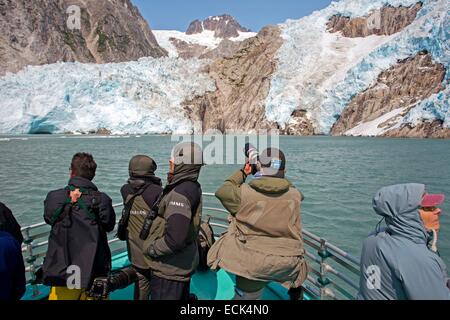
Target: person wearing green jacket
(264, 240)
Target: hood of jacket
(270, 185)
(399, 205)
(138, 182)
(185, 172)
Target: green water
(337, 175)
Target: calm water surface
(337, 175)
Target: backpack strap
(91, 210)
(137, 194)
(58, 212)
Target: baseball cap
(432, 200)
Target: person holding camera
(173, 228)
(264, 240)
(139, 195)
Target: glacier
(321, 72)
(317, 71)
(143, 96)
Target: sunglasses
(429, 209)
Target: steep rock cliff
(385, 21)
(34, 32)
(402, 86)
(242, 83)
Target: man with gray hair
(173, 254)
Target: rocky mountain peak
(38, 32)
(224, 26)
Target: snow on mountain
(315, 73)
(135, 97)
(224, 26)
(373, 128)
(202, 37)
(320, 72)
(206, 39)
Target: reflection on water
(337, 175)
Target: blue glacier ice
(317, 71)
(321, 72)
(142, 96)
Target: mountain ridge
(307, 76)
(36, 32)
(224, 26)
(212, 38)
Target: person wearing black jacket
(140, 193)
(80, 217)
(173, 249)
(12, 268)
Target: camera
(148, 222)
(253, 157)
(103, 286)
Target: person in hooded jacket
(12, 268)
(143, 189)
(173, 251)
(80, 217)
(396, 262)
(264, 240)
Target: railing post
(31, 259)
(323, 280)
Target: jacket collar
(270, 185)
(138, 182)
(80, 182)
(185, 173)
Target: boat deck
(205, 285)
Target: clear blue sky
(253, 14)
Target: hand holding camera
(252, 164)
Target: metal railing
(334, 273)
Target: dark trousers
(152, 287)
(142, 286)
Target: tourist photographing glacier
(352, 96)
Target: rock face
(432, 129)
(214, 38)
(299, 125)
(224, 26)
(226, 49)
(401, 86)
(188, 50)
(386, 21)
(242, 83)
(35, 32)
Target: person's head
(401, 208)
(83, 165)
(429, 211)
(186, 159)
(273, 163)
(141, 166)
